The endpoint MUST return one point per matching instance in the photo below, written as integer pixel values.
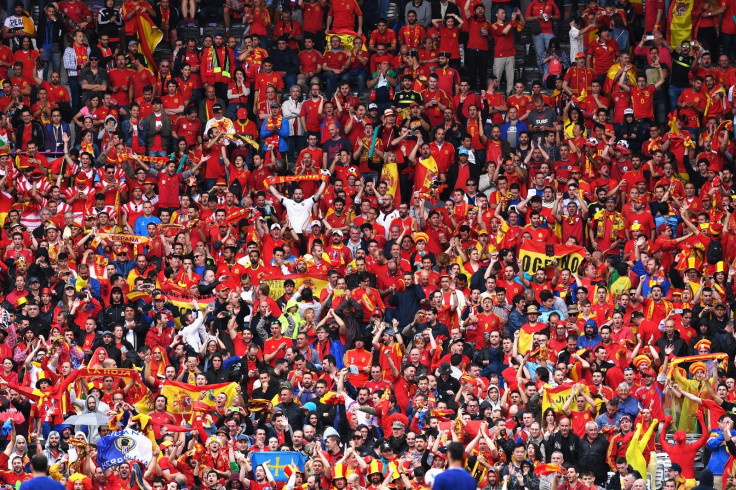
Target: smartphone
(650, 38)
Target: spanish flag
(331, 398)
(182, 396)
(527, 333)
(683, 17)
(390, 175)
(150, 36)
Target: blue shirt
(41, 483)
(454, 479)
(629, 407)
(142, 223)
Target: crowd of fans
(330, 211)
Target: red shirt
(119, 79)
(537, 8)
(272, 345)
(388, 38)
(335, 59)
(309, 60)
(343, 13)
(28, 59)
(189, 130)
(504, 43)
(478, 32)
(444, 155)
(641, 101)
(604, 55)
(313, 13)
(450, 41)
(698, 99)
(580, 79)
(449, 78)
(173, 102)
(495, 99)
(141, 79)
(263, 80)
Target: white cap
(275, 225)
(315, 223)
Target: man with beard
(53, 451)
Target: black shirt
(681, 64)
(403, 99)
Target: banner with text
(276, 283)
(540, 255)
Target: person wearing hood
(115, 312)
(53, 451)
(291, 318)
(708, 481)
(493, 482)
(107, 342)
(526, 479)
(91, 405)
(217, 373)
(590, 338)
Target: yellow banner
(276, 283)
(540, 255)
(559, 396)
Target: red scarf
(81, 53)
(412, 36)
(273, 123)
(164, 15)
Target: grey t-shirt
(547, 118)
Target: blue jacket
(520, 126)
(283, 134)
(128, 130)
(516, 321)
(718, 455)
(406, 304)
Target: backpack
(714, 253)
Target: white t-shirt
(298, 212)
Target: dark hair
(39, 463)
(455, 451)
